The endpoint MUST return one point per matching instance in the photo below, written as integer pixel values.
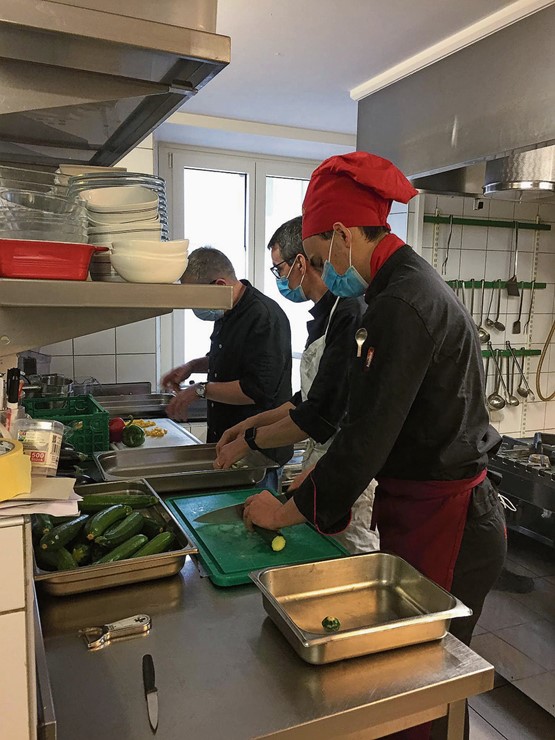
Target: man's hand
(230, 453)
(298, 479)
(231, 434)
(171, 380)
(263, 510)
(178, 408)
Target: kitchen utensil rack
(522, 352)
(486, 222)
(496, 284)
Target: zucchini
(64, 560)
(46, 559)
(331, 624)
(273, 538)
(151, 527)
(63, 533)
(160, 543)
(41, 524)
(97, 502)
(121, 531)
(82, 553)
(100, 522)
(124, 550)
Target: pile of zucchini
(109, 528)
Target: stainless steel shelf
(38, 312)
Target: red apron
(423, 522)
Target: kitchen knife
(151, 692)
(228, 514)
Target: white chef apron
(358, 537)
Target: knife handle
(149, 677)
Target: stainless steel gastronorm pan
(381, 601)
(186, 468)
(133, 570)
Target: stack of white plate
(121, 205)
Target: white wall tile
(428, 236)
(500, 240)
(59, 348)
(550, 411)
(427, 254)
(526, 211)
(453, 266)
(470, 212)
(526, 241)
(139, 160)
(535, 415)
(547, 240)
(524, 266)
(136, 338)
(473, 263)
(134, 368)
(63, 366)
(541, 326)
(497, 265)
(430, 203)
(547, 212)
(101, 343)
(546, 267)
(101, 367)
(474, 237)
(450, 205)
(501, 208)
(544, 299)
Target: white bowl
(153, 226)
(108, 200)
(141, 269)
(153, 247)
(122, 217)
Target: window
(233, 203)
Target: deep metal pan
(187, 468)
(380, 600)
(134, 570)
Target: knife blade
(229, 514)
(151, 692)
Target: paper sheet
(66, 507)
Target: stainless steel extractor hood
(79, 85)
(526, 175)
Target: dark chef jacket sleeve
(325, 406)
(382, 393)
(266, 344)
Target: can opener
(97, 637)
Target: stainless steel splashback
(85, 86)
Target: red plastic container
(38, 260)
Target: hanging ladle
(512, 400)
(496, 402)
(523, 389)
(482, 333)
(489, 322)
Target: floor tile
(510, 662)
(541, 689)
(502, 610)
(516, 567)
(536, 640)
(541, 599)
(480, 729)
(538, 558)
(479, 630)
(514, 715)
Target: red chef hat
(356, 188)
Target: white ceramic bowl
(124, 229)
(108, 200)
(145, 269)
(151, 247)
(121, 217)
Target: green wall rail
(478, 285)
(507, 353)
(487, 222)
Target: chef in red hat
(417, 418)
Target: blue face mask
(208, 314)
(297, 295)
(351, 283)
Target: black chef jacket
(416, 405)
(251, 344)
(325, 406)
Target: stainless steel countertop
(224, 670)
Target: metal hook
(444, 264)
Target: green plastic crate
(86, 418)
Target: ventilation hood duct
(523, 176)
(82, 85)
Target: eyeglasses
(274, 269)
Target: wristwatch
(250, 435)
(200, 390)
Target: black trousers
(478, 566)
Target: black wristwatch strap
(250, 436)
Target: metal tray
(187, 468)
(96, 577)
(148, 406)
(381, 601)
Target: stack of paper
(54, 496)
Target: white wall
(485, 253)
(122, 355)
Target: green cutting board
(229, 552)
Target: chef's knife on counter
(234, 513)
(151, 692)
